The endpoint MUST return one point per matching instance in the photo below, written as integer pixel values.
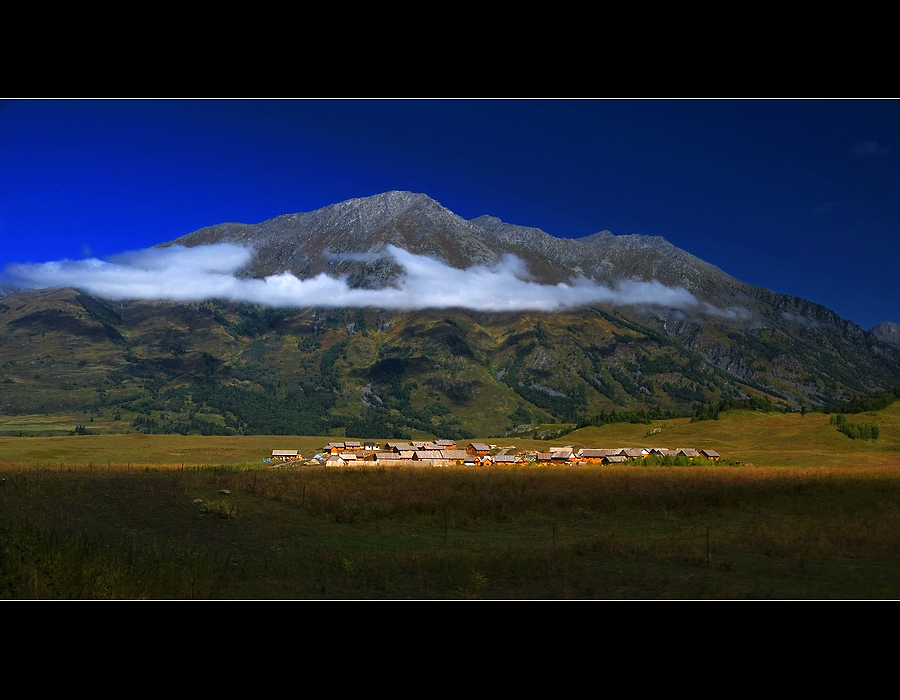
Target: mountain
(333, 239)
(234, 367)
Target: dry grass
(567, 532)
(812, 514)
(764, 439)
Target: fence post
(707, 544)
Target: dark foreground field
(504, 533)
(137, 516)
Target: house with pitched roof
(593, 456)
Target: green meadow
(796, 510)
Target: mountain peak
(391, 203)
(346, 238)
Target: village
(446, 453)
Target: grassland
(801, 511)
(766, 439)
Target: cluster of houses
(622, 454)
(446, 453)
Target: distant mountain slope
(216, 366)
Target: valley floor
(799, 511)
(763, 439)
(619, 532)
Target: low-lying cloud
(205, 272)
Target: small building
(593, 455)
(479, 449)
(397, 447)
(710, 454)
(632, 452)
(563, 455)
(285, 455)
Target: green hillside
(212, 368)
(231, 369)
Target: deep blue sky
(799, 196)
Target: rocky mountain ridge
(306, 244)
(887, 332)
(350, 238)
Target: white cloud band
(208, 272)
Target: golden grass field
(763, 439)
(796, 510)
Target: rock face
(887, 332)
(222, 368)
(350, 238)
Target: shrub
(222, 509)
(855, 431)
